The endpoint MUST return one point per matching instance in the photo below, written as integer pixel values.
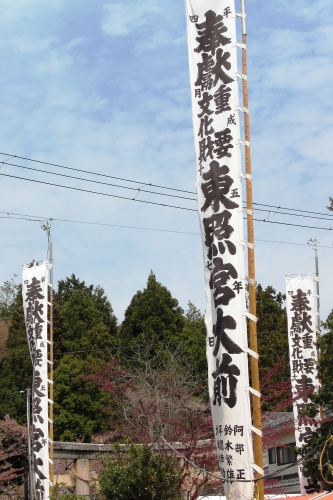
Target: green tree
(192, 343)
(85, 333)
(324, 431)
(15, 365)
(79, 308)
(140, 474)
(272, 345)
(79, 405)
(84, 323)
(8, 293)
(84, 327)
(153, 317)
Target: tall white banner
(214, 87)
(302, 321)
(35, 293)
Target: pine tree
(273, 347)
(15, 365)
(153, 317)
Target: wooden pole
(313, 244)
(318, 319)
(256, 407)
(51, 451)
(31, 477)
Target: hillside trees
(13, 449)
(85, 333)
(15, 365)
(324, 397)
(85, 329)
(153, 316)
(157, 402)
(274, 369)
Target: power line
(95, 173)
(293, 215)
(294, 225)
(277, 212)
(292, 209)
(35, 218)
(39, 219)
(102, 183)
(98, 193)
(143, 184)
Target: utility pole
(29, 444)
(256, 407)
(313, 244)
(46, 226)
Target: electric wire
(103, 183)
(276, 207)
(141, 189)
(278, 212)
(277, 472)
(291, 209)
(38, 219)
(99, 193)
(95, 173)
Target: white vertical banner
(211, 26)
(302, 327)
(35, 295)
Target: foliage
(275, 394)
(82, 314)
(83, 322)
(78, 404)
(13, 448)
(156, 402)
(311, 468)
(60, 492)
(273, 348)
(85, 333)
(8, 293)
(140, 474)
(325, 346)
(15, 366)
(193, 342)
(330, 206)
(324, 397)
(153, 317)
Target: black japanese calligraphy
(225, 385)
(224, 323)
(211, 33)
(216, 186)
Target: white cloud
(55, 63)
(28, 45)
(122, 18)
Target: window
(272, 455)
(286, 455)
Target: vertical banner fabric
(35, 295)
(211, 27)
(302, 327)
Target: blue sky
(104, 87)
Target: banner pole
(313, 244)
(256, 407)
(31, 481)
(51, 450)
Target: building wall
(286, 478)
